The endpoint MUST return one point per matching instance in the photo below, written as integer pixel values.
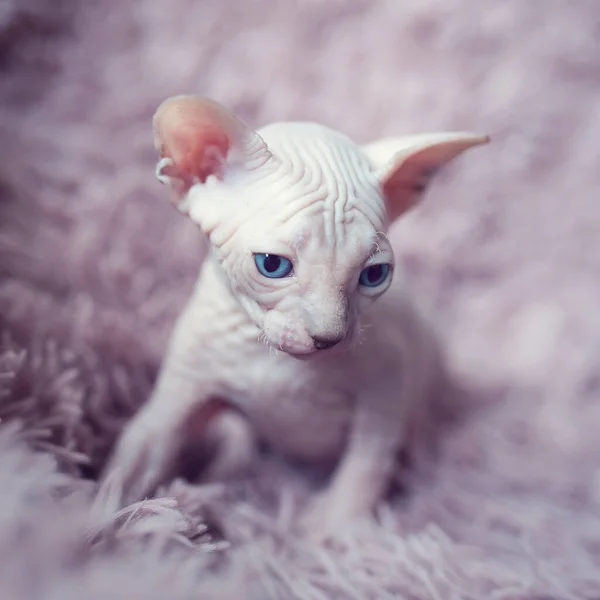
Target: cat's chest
(299, 406)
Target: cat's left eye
(273, 265)
(374, 276)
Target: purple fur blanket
(94, 266)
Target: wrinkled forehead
(347, 236)
(315, 234)
(320, 157)
(309, 220)
(319, 172)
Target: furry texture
(95, 265)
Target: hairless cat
(298, 331)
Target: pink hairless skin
(298, 331)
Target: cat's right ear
(406, 165)
(197, 138)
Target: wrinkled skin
(318, 362)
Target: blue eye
(273, 265)
(374, 275)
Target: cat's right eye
(273, 266)
(374, 276)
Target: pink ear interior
(405, 182)
(192, 132)
(403, 187)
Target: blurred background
(95, 264)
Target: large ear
(195, 138)
(406, 165)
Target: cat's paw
(140, 461)
(328, 518)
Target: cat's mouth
(308, 351)
(299, 344)
(296, 349)
(304, 355)
(301, 353)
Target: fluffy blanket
(95, 265)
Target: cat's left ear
(406, 165)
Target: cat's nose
(322, 343)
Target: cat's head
(296, 214)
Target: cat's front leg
(364, 472)
(150, 444)
(185, 400)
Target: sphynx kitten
(298, 331)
